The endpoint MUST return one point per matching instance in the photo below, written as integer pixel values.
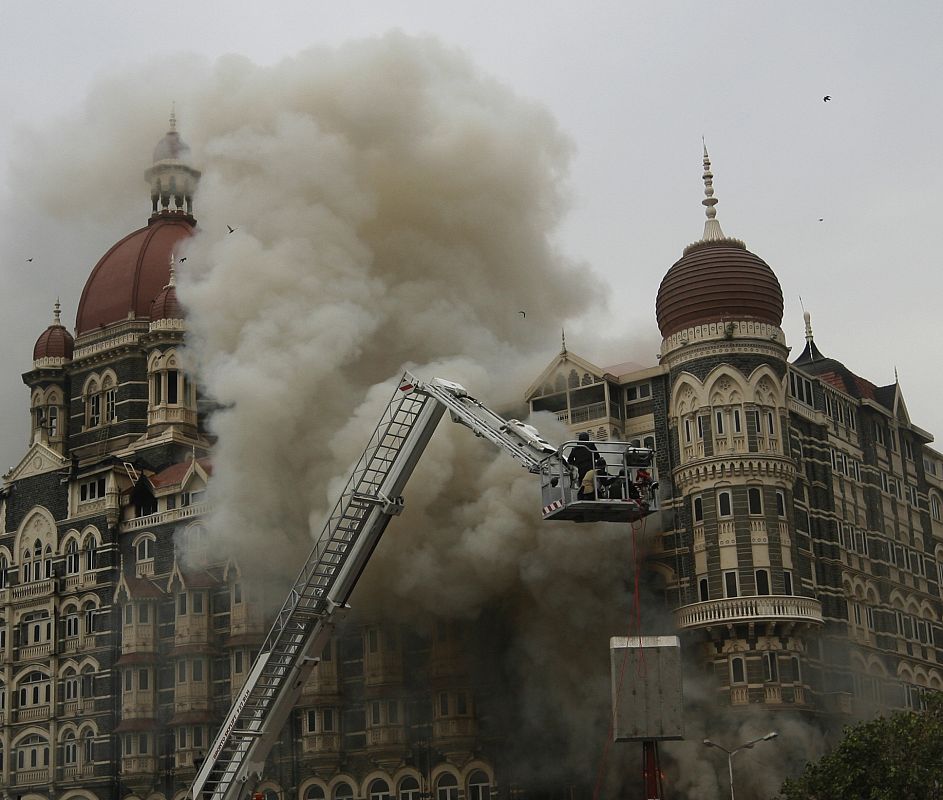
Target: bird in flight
(523, 314)
(28, 260)
(231, 228)
(821, 219)
(826, 98)
(183, 259)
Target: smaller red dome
(54, 342)
(166, 305)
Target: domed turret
(165, 305)
(55, 342)
(172, 180)
(128, 278)
(717, 279)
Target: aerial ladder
(370, 499)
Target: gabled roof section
(834, 373)
(567, 361)
(133, 588)
(39, 459)
(179, 474)
(191, 578)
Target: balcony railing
(454, 728)
(749, 609)
(163, 517)
(29, 652)
(34, 589)
(28, 777)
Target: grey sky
(635, 86)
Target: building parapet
(748, 609)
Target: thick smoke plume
(391, 208)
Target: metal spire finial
(173, 115)
(56, 310)
(712, 231)
(173, 273)
(563, 340)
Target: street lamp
(732, 753)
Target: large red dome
(131, 274)
(714, 281)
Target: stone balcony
(34, 590)
(164, 517)
(733, 610)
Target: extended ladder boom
(303, 626)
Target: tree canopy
(898, 757)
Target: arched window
(145, 549)
(88, 748)
(754, 500)
(110, 399)
(90, 553)
(314, 792)
(93, 405)
(724, 507)
(69, 750)
(479, 787)
(35, 689)
(72, 557)
(409, 788)
(343, 791)
(446, 787)
(52, 421)
(4, 571)
(737, 670)
(379, 790)
(88, 682)
(71, 622)
(770, 668)
(796, 672)
(698, 509)
(88, 611)
(47, 562)
(70, 685)
(762, 581)
(936, 508)
(32, 752)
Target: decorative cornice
(756, 465)
(55, 362)
(767, 337)
(168, 325)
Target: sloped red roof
(141, 588)
(172, 475)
